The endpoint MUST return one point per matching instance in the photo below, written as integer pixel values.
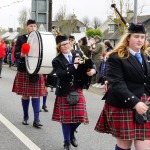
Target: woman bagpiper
(70, 116)
(128, 74)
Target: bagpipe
(85, 64)
(144, 118)
(120, 17)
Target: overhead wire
(18, 1)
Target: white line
(18, 133)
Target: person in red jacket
(2, 53)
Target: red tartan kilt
(22, 85)
(121, 124)
(65, 113)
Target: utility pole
(135, 11)
(50, 16)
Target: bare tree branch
(96, 22)
(22, 19)
(86, 21)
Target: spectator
(97, 57)
(85, 48)
(2, 53)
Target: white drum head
(42, 51)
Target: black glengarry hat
(136, 28)
(30, 21)
(61, 38)
(71, 37)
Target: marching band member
(66, 68)
(28, 85)
(44, 107)
(129, 87)
(72, 42)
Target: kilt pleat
(121, 124)
(65, 113)
(22, 85)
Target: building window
(82, 29)
(111, 28)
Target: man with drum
(25, 84)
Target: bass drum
(42, 52)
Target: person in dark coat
(85, 48)
(129, 88)
(28, 85)
(96, 54)
(70, 116)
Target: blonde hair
(58, 48)
(122, 48)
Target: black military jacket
(68, 75)
(21, 61)
(128, 80)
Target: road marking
(19, 134)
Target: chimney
(10, 29)
(18, 29)
(73, 17)
(130, 14)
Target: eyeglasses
(63, 45)
(71, 39)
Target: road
(15, 136)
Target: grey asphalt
(50, 136)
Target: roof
(5, 35)
(13, 36)
(68, 26)
(111, 35)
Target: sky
(9, 9)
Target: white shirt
(133, 52)
(66, 56)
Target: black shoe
(37, 124)
(73, 140)
(67, 145)
(45, 108)
(25, 122)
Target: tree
(2, 31)
(67, 23)
(96, 22)
(86, 21)
(61, 14)
(91, 33)
(22, 19)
